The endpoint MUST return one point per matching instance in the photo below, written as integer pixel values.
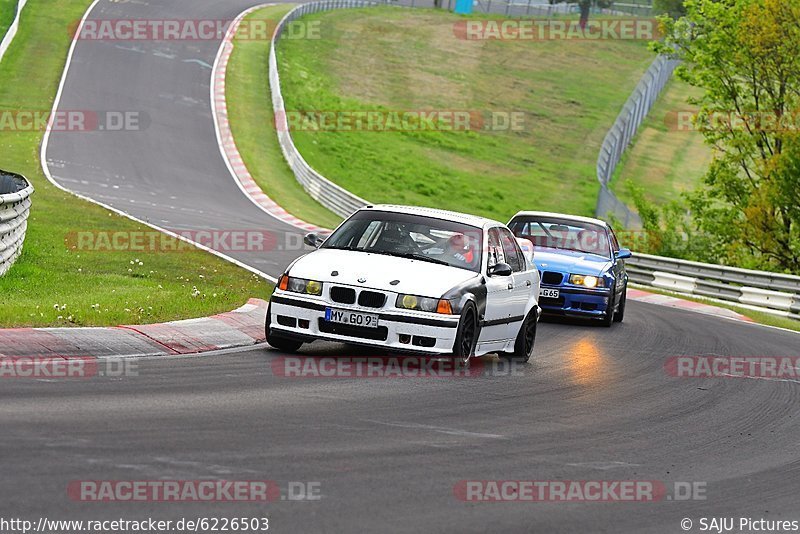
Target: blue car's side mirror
(622, 254)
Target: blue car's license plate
(549, 293)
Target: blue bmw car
(581, 264)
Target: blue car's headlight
(586, 280)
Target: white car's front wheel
(276, 340)
(466, 335)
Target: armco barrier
(335, 198)
(778, 294)
(343, 203)
(774, 293)
(15, 204)
(621, 133)
(12, 30)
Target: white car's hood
(416, 277)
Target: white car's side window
(495, 248)
(512, 251)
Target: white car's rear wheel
(526, 339)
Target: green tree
(745, 54)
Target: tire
(526, 339)
(279, 342)
(621, 311)
(608, 320)
(466, 336)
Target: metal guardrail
(15, 204)
(774, 293)
(15, 190)
(337, 199)
(12, 29)
(620, 135)
(327, 193)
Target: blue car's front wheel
(620, 314)
(608, 319)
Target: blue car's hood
(568, 261)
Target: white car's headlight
(300, 285)
(427, 304)
(585, 280)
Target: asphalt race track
(170, 173)
(595, 404)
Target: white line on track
(48, 174)
(439, 429)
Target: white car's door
(523, 285)
(499, 298)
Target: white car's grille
(366, 298)
(372, 299)
(344, 295)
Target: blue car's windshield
(564, 234)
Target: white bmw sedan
(409, 279)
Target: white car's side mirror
(500, 269)
(313, 239)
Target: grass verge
(7, 8)
(252, 123)
(757, 316)
(667, 157)
(53, 284)
(392, 59)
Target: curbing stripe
(227, 143)
(674, 302)
(243, 327)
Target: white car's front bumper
(303, 318)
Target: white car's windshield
(563, 234)
(410, 236)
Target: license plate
(368, 320)
(549, 293)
